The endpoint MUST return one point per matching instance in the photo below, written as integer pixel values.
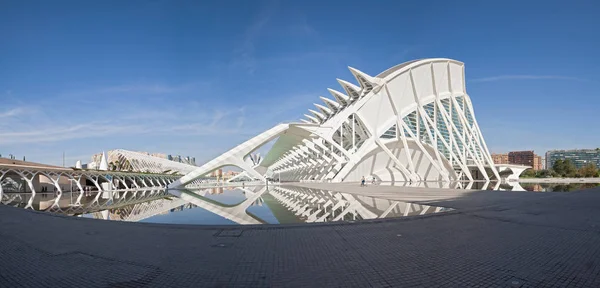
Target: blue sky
(198, 77)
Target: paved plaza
(492, 239)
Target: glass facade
(579, 157)
(453, 136)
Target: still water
(246, 205)
(554, 187)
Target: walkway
(494, 239)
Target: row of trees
(12, 157)
(564, 168)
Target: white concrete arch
(413, 122)
(513, 171)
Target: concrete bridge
(83, 202)
(34, 178)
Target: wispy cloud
(287, 105)
(302, 27)
(134, 89)
(12, 112)
(525, 77)
(222, 122)
(145, 88)
(403, 52)
(244, 53)
(139, 118)
(78, 131)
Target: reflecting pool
(249, 205)
(558, 187)
(502, 186)
(221, 206)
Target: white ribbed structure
(140, 162)
(413, 122)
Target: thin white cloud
(240, 121)
(79, 131)
(43, 128)
(525, 77)
(244, 53)
(143, 89)
(64, 124)
(132, 89)
(12, 112)
(204, 130)
(404, 52)
(303, 28)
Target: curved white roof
(414, 121)
(141, 162)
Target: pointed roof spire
(103, 162)
(319, 115)
(366, 82)
(341, 98)
(350, 88)
(313, 119)
(323, 109)
(334, 106)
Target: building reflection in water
(249, 205)
(557, 187)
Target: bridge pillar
(106, 190)
(35, 181)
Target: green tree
(529, 173)
(559, 168)
(544, 173)
(570, 169)
(564, 168)
(589, 170)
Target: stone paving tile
(551, 241)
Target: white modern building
(124, 160)
(412, 122)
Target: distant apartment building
(231, 173)
(538, 163)
(527, 158)
(500, 158)
(181, 159)
(579, 157)
(543, 163)
(217, 173)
